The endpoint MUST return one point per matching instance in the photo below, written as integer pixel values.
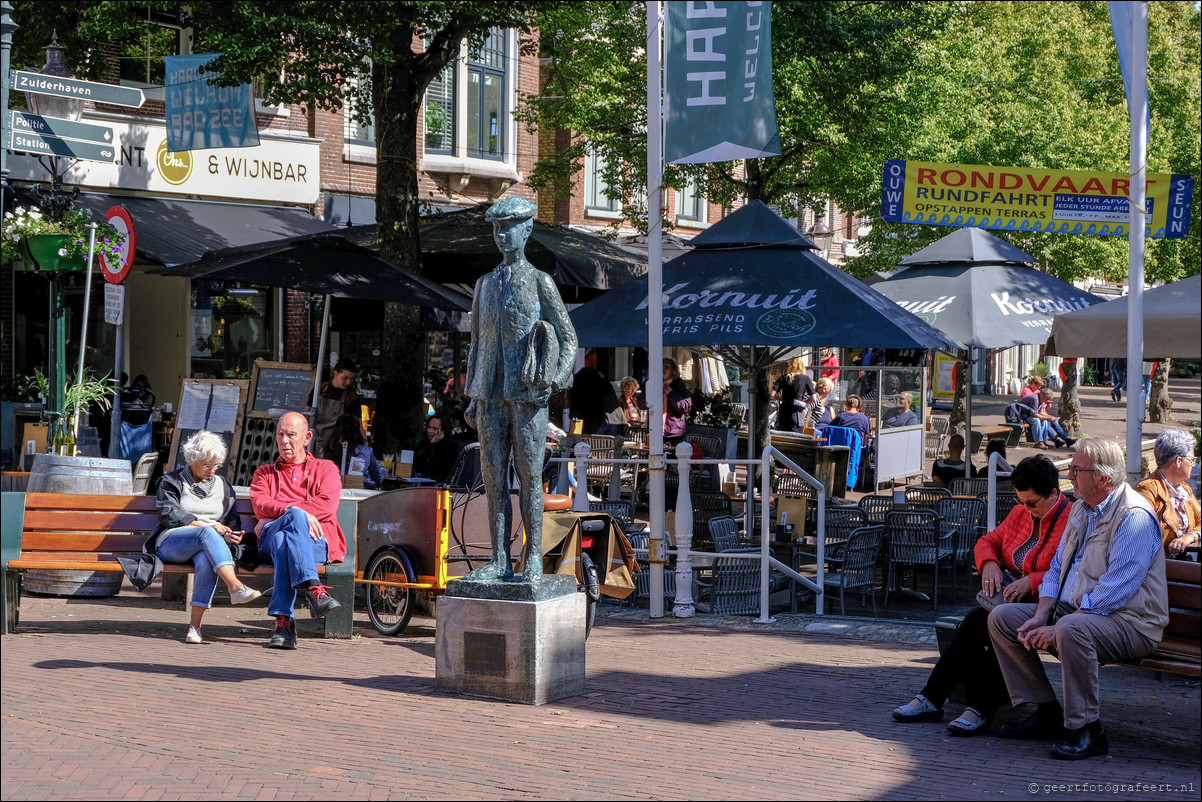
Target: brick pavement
(102, 700)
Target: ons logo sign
(174, 168)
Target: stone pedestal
(530, 652)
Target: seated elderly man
(1103, 599)
(1166, 490)
(903, 416)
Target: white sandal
(924, 712)
(962, 726)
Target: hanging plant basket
(41, 252)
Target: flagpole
(1137, 105)
(655, 313)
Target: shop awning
(174, 232)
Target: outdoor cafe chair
(620, 511)
(876, 508)
(967, 515)
(724, 532)
(641, 543)
(855, 568)
(963, 486)
(917, 538)
(1006, 501)
(733, 585)
(927, 497)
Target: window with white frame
(596, 187)
(690, 203)
(360, 128)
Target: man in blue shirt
(1104, 599)
(853, 418)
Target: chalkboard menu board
(215, 405)
(280, 385)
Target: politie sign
(1031, 199)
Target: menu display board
(280, 386)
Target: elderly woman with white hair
(1166, 490)
(198, 523)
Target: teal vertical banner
(202, 116)
(718, 83)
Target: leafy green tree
(837, 70)
(319, 47)
(1038, 85)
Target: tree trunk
(1069, 409)
(958, 419)
(399, 401)
(1160, 405)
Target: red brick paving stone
(673, 710)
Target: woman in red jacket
(1012, 560)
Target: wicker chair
(840, 522)
(790, 485)
(927, 497)
(1006, 501)
(856, 568)
(724, 532)
(733, 587)
(876, 508)
(917, 538)
(705, 507)
(641, 543)
(620, 511)
(961, 486)
(967, 516)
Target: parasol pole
(655, 314)
(83, 334)
(321, 358)
(1137, 106)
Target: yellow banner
(945, 385)
(1031, 199)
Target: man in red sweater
(296, 502)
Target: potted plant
(436, 126)
(78, 396)
(47, 245)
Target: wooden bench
(46, 531)
(1180, 650)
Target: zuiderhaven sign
(281, 169)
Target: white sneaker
(244, 594)
(193, 635)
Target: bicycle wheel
(390, 608)
(591, 591)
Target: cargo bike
(414, 540)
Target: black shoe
(1034, 726)
(285, 633)
(1086, 742)
(320, 601)
(1069, 442)
(1059, 443)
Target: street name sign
(63, 129)
(39, 84)
(55, 146)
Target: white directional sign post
(79, 90)
(55, 137)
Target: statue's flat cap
(510, 210)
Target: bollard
(580, 500)
(683, 606)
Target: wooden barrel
(53, 473)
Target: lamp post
(7, 26)
(55, 202)
(820, 232)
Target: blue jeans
(1039, 430)
(286, 544)
(205, 549)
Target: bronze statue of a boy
(523, 350)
